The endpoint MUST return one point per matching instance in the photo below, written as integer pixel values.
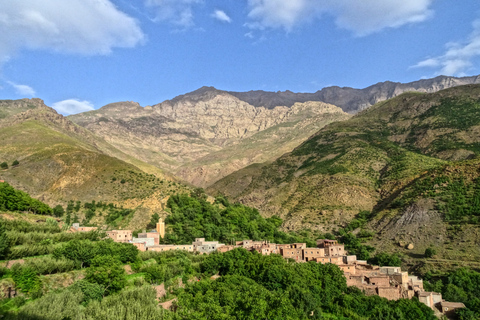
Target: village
(388, 282)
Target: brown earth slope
(204, 135)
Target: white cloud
(72, 106)
(458, 57)
(222, 16)
(22, 89)
(76, 26)
(361, 17)
(178, 12)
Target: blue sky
(77, 55)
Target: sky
(78, 55)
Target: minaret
(161, 228)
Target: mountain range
(317, 160)
(207, 134)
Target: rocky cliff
(204, 135)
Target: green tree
(26, 279)
(108, 272)
(15, 163)
(385, 259)
(77, 206)
(89, 214)
(58, 211)
(4, 165)
(91, 291)
(76, 250)
(4, 242)
(153, 221)
(430, 252)
(68, 218)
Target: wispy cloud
(87, 27)
(361, 17)
(72, 106)
(22, 89)
(177, 12)
(458, 56)
(221, 16)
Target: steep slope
(60, 161)
(440, 210)
(207, 134)
(353, 100)
(364, 162)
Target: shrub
(58, 211)
(53, 306)
(4, 242)
(91, 291)
(385, 259)
(430, 252)
(108, 272)
(134, 303)
(26, 279)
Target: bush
(16, 200)
(48, 265)
(53, 306)
(4, 165)
(24, 226)
(58, 211)
(15, 163)
(4, 242)
(24, 238)
(134, 303)
(107, 272)
(91, 291)
(26, 279)
(430, 252)
(30, 251)
(385, 259)
(84, 251)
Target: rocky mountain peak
(121, 106)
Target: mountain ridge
(374, 154)
(350, 99)
(176, 134)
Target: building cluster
(387, 282)
(393, 283)
(150, 241)
(327, 251)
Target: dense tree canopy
(461, 285)
(16, 200)
(194, 217)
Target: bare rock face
(353, 100)
(207, 134)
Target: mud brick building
(76, 228)
(120, 235)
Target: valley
(390, 171)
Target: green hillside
(386, 160)
(59, 161)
